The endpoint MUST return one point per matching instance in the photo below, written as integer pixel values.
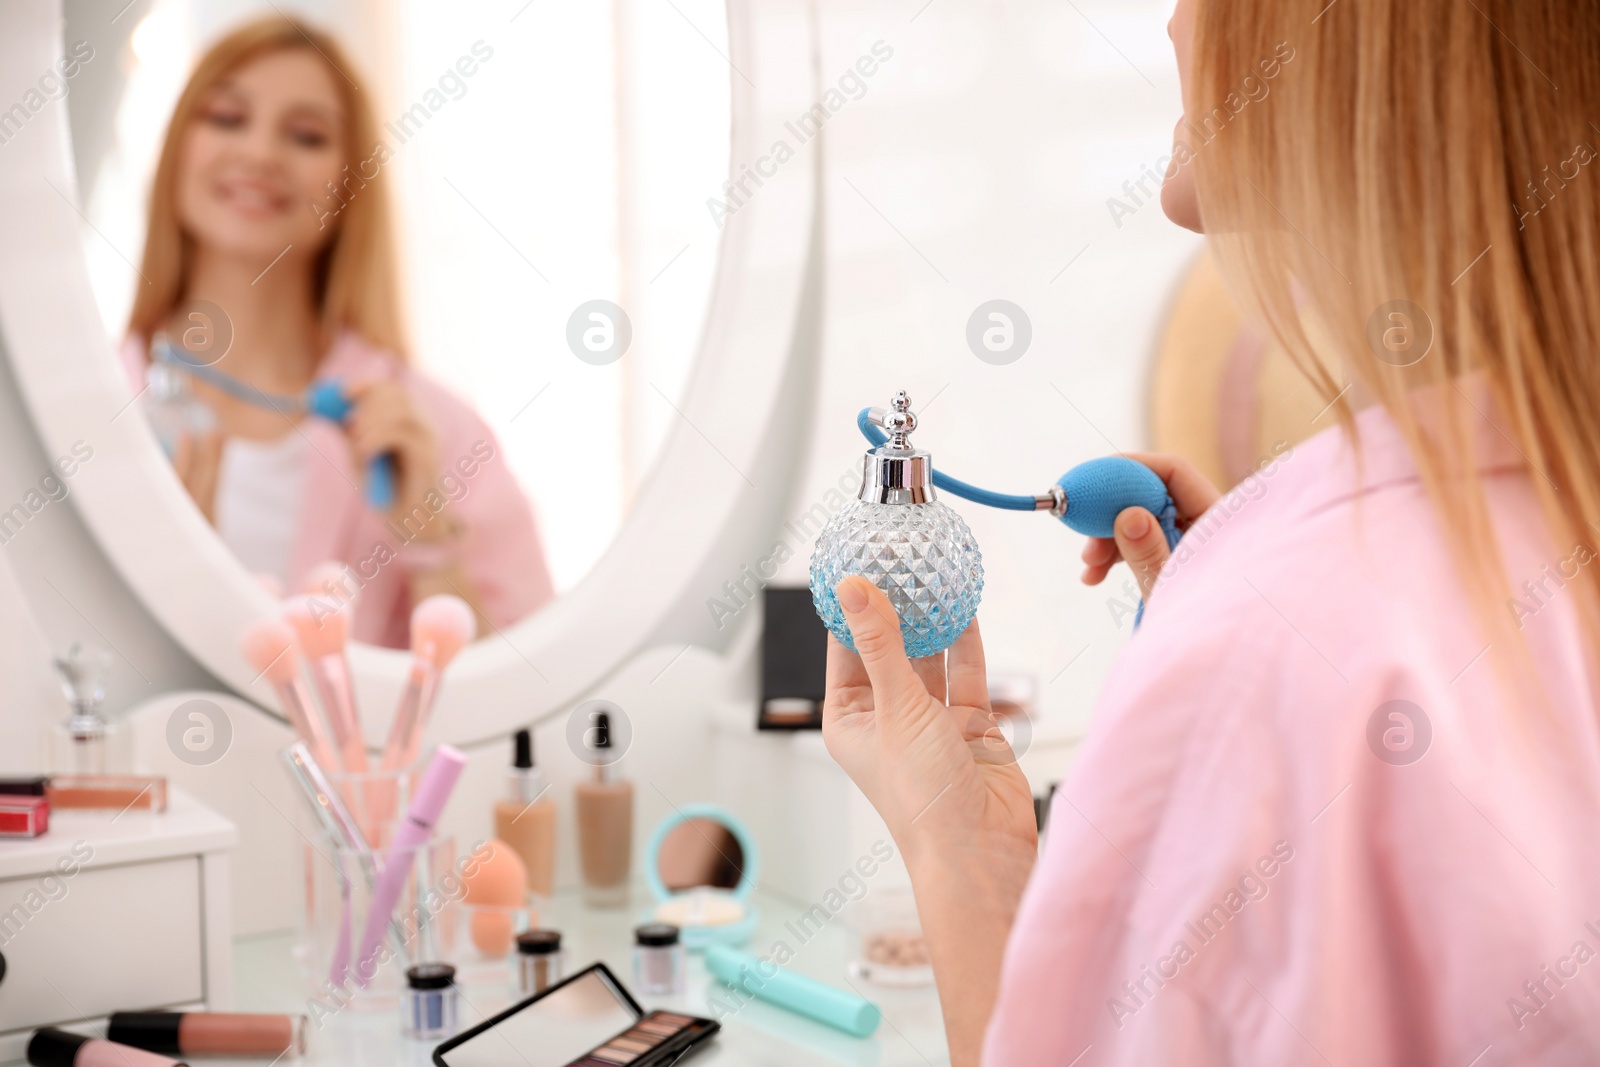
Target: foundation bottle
(526, 818)
(605, 824)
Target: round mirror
(701, 866)
(409, 300)
(700, 853)
(454, 301)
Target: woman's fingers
(875, 628)
(845, 669)
(931, 669)
(1143, 545)
(969, 679)
(1190, 490)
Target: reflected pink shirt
(1258, 859)
(501, 550)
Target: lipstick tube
(58, 1048)
(199, 1033)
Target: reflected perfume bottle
(169, 402)
(87, 742)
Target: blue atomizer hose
(1092, 494)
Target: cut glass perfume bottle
(914, 548)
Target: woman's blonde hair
(1437, 153)
(356, 287)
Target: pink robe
(1258, 859)
(501, 550)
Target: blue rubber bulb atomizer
(921, 553)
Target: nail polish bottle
(605, 824)
(526, 818)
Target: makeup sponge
(493, 892)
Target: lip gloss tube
(198, 1033)
(22, 816)
(438, 781)
(58, 1048)
(113, 792)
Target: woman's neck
(276, 342)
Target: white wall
(976, 166)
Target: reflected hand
(198, 465)
(1139, 540)
(941, 774)
(386, 418)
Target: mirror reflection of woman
(242, 245)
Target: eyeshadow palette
(589, 1020)
(655, 1031)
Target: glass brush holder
(338, 883)
(907, 543)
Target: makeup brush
(269, 647)
(440, 627)
(322, 629)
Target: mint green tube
(803, 996)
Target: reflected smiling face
(1179, 198)
(261, 149)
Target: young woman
(1338, 804)
(269, 225)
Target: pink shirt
(501, 550)
(1258, 860)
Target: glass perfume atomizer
(87, 742)
(922, 554)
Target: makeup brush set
(358, 805)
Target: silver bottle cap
(895, 472)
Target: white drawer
(86, 953)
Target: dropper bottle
(605, 822)
(526, 818)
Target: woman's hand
(937, 772)
(386, 418)
(1139, 540)
(948, 786)
(198, 465)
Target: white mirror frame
(708, 503)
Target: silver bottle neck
(896, 476)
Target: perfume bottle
(88, 742)
(896, 533)
(170, 405)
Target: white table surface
(267, 978)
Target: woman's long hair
(355, 275)
(1441, 153)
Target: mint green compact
(701, 867)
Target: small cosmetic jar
(660, 963)
(538, 960)
(430, 1002)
